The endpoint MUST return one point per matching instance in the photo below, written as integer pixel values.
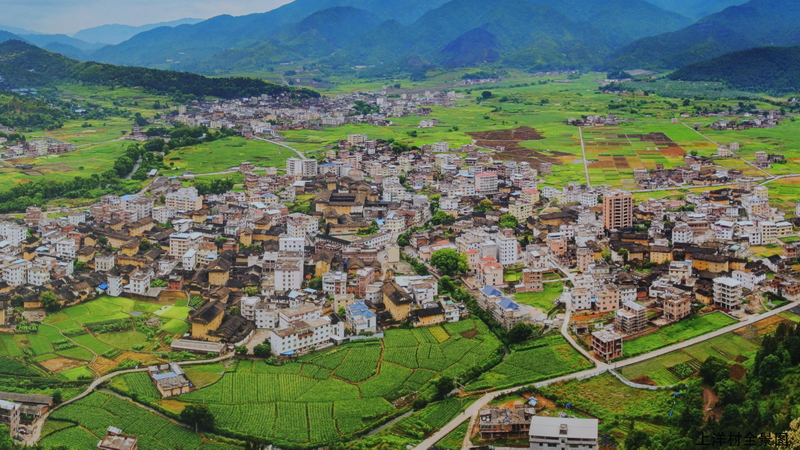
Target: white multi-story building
(556, 433)
(66, 248)
(441, 147)
(115, 285)
(181, 243)
(140, 283)
(588, 199)
(749, 280)
(162, 214)
(185, 199)
(288, 274)
(38, 276)
(507, 249)
(302, 167)
(189, 259)
(304, 335)
(727, 293)
(486, 183)
(682, 234)
(104, 263)
(15, 273)
(299, 225)
(361, 318)
(291, 244)
(14, 233)
(334, 283)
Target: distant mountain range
(343, 33)
(757, 23)
(114, 34)
(696, 9)
(85, 42)
(412, 35)
(767, 69)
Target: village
(368, 237)
(347, 267)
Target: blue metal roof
(491, 291)
(507, 303)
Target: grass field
(552, 357)
(542, 300)
(685, 329)
(341, 391)
(83, 162)
(614, 403)
(728, 347)
(220, 155)
(65, 344)
(83, 423)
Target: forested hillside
(24, 65)
(773, 70)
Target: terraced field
(335, 393)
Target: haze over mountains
(413, 35)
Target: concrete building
(632, 318)
(303, 335)
(301, 167)
(557, 433)
(607, 344)
(486, 183)
(617, 210)
(185, 199)
(727, 293)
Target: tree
(711, 369)
(263, 350)
(484, 205)
(315, 283)
(509, 221)
(442, 218)
(520, 333)
(636, 440)
(444, 386)
(49, 301)
(198, 416)
(145, 245)
(449, 262)
(623, 252)
(241, 350)
(606, 254)
(486, 95)
(57, 397)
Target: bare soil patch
(644, 379)
(710, 408)
(737, 372)
(469, 334)
(60, 364)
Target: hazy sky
(71, 16)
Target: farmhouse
(115, 440)
(170, 380)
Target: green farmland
(83, 423)
(678, 332)
(335, 393)
(547, 358)
(542, 300)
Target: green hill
(766, 69)
(24, 65)
(754, 24)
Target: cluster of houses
(542, 432)
(34, 148)
(265, 115)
